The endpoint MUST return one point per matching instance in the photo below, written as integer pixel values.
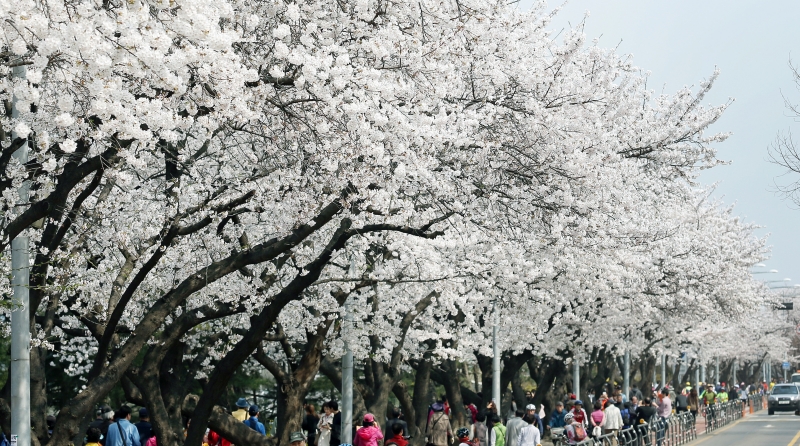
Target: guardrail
(756, 402)
(676, 430)
(719, 415)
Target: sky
(681, 42)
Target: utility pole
(347, 370)
(495, 360)
(626, 375)
(716, 369)
(20, 316)
(576, 377)
(663, 370)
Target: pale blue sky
(681, 42)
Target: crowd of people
(571, 418)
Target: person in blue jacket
(557, 417)
(123, 432)
(253, 422)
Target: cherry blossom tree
(212, 181)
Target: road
(781, 429)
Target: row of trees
(215, 184)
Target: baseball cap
(369, 418)
(297, 436)
(143, 413)
(530, 407)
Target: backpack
(626, 416)
(580, 432)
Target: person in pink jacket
(369, 434)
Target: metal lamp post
(20, 316)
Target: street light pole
(626, 378)
(495, 360)
(20, 316)
(347, 370)
(576, 377)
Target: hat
(253, 410)
(568, 416)
(530, 407)
(242, 403)
(106, 408)
(462, 432)
(297, 436)
(579, 402)
(559, 403)
(369, 418)
(437, 407)
(143, 413)
(572, 396)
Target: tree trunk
(421, 400)
(452, 388)
(38, 395)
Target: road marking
(794, 440)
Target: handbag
(597, 431)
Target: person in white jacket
(529, 435)
(613, 421)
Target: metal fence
(676, 430)
(756, 402)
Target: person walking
(612, 422)
(480, 431)
(336, 426)
(123, 432)
(439, 430)
(241, 412)
(681, 402)
(529, 435)
(370, 432)
(143, 426)
(397, 437)
(253, 422)
(530, 409)
(709, 400)
(573, 430)
(324, 425)
(462, 437)
(693, 403)
(105, 418)
(513, 426)
(388, 432)
(579, 414)
(596, 419)
(664, 412)
(497, 432)
(557, 417)
(297, 439)
(310, 421)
